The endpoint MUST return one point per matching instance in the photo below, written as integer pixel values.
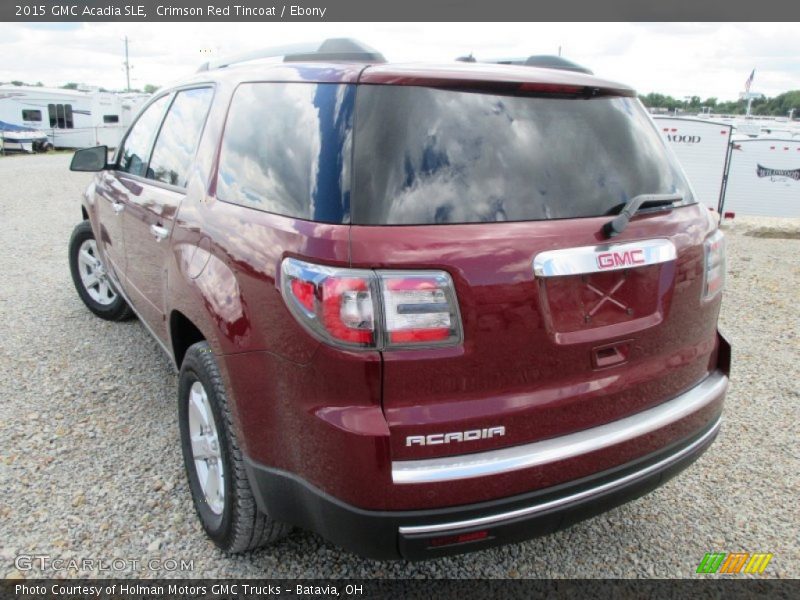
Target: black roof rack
(330, 50)
(543, 61)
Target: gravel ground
(90, 464)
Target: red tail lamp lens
(304, 293)
(347, 309)
(463, 538)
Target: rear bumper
(431, 533)
(594, 439)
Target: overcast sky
(704, 59)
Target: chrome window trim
(558, 502)
(505, 460)
(585, 259)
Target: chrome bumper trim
(565, 500)
(504, 460)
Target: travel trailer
(764, 178)
(733, 172)
(702, 149)
(71, 118)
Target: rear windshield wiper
(618, 224)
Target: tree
(779, 106)
(150, 88)
(69, 86)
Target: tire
(233, 522)
(102, 298)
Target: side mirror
(90, 159)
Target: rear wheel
(213, 460)
(91, 278)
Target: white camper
(702, 150)
(764, 178)
(71, 118)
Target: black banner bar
(253, 589)
(397, 10)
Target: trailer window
(60, 116)
(31, 115)
(110, 118)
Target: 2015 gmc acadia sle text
(417, 309)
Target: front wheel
(91, 278)
(213, 460)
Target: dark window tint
(60, 116)
(433, 156)
(286, 150)
(177, 140)
(135, 151)
(110, 118)
(31, 115)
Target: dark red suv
(418, 310)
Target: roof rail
(543, 61)
(332, 49)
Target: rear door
(484, 186)
(150, 214)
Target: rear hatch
(482, 185)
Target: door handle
(159, 232)
(117, 207)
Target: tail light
(714, 265)
(358, 308)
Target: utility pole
(127, 66)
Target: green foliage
(69, 86)
(150, 88)
(779, 106)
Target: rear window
(425, 156)
(286, 150)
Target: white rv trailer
(71, 118)
(702, 150)
(764, 178)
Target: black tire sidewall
(111, 312)
(218, 527)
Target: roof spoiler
(543, 61)
(330, 50)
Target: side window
(177, 140)
(60, 116)
(31, 115)
(110, 118)
(135, 151)
(286, 150)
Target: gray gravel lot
(90, 464)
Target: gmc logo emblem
(611, 260)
